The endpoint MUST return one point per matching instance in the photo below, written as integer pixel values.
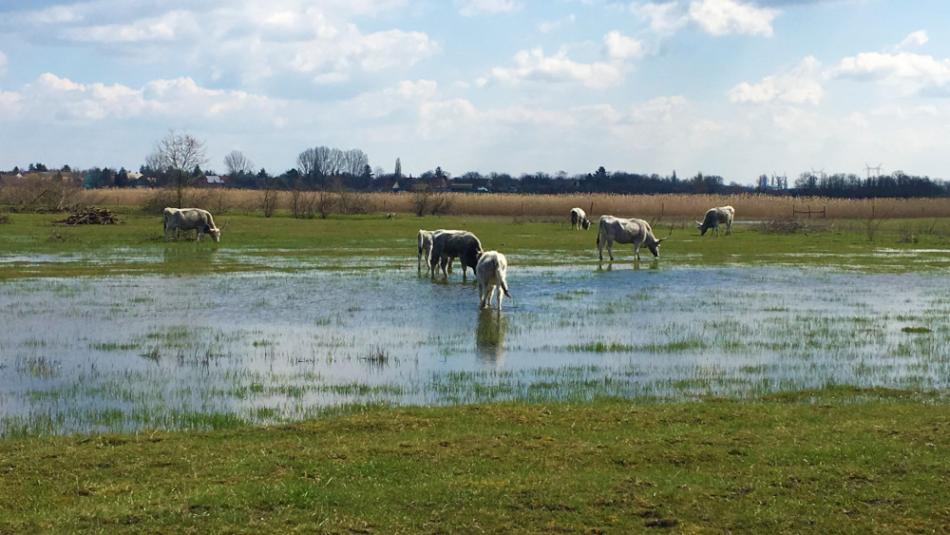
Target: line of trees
(177, 159)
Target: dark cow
(449, 244)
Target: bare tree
(237, 163)
(178, 154)
(326, 162)
(307, 162)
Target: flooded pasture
(147, 351)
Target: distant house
(461, 187)
(395, 187)
(134, 175)
(215, 180)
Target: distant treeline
(353, 173)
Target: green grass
(136, 245)
(818, 462)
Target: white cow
(722, 215)
(579, 219)
(177, 219)
(424, 239)
(491, 272)
(636, 231)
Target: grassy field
(136, 245)
(811, 462)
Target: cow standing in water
(722, 215)
(579, 219)
(424, 239)
(492, 274)
(636, 231)
(450, 244)
(177, 219)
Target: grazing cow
(176, 219)
(450, 244)
(491, 272)
(579, 219)
(636, 231)
(722, 215)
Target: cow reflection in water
(490, 336)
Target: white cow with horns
(722, 215)
(636, 231)
(177, 219)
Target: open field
(835, 461)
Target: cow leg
(636, 251)
(610, 249)
(501, 295)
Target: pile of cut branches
(89, 215)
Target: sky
(736, 88)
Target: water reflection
(195, 257)
(490, 336)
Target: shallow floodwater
(121, 353)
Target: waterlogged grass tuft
(601, 347)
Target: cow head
(215, 234)
(702, 228)
(585, 223)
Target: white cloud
(664, 18)
(249, 38)
(167, 27)
(906, 72)
(621, 47)
(914, 39)
(723, 17)
(3, 62)
(549, 26)
(799, 85)
(470, 8)
(53, 98)
(405, 96)
(535, 65)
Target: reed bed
(748, 206)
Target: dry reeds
(651, 207)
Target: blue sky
(731, 87)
